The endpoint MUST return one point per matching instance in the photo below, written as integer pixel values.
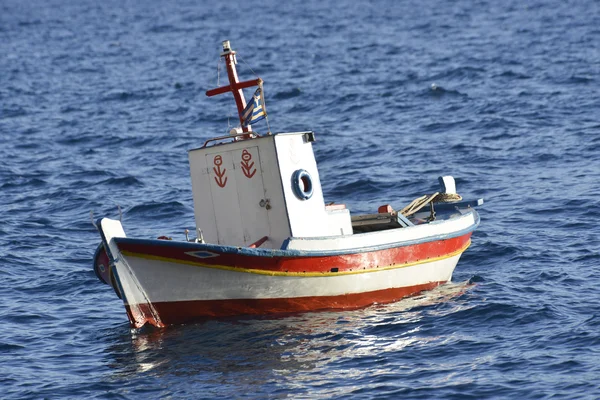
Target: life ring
(302, 184)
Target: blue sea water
(99, 102)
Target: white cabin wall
(278, 220)
(203, 203)
(307, 217)
(231, 213)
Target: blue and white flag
(255, 110)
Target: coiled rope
(420, 202)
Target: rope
(249, 67)
(417, 204)
(447, 197)
(422, 201)
(262, 93)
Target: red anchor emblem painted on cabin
(247, 164)
(220, 174)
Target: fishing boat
(267, 243)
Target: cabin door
(238, 195)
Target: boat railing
(245, 135)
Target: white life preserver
(302, 184)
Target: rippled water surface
(99, 102)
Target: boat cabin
(267, 186)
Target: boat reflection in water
(243, 353)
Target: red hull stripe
(179, 312)
(306, 265)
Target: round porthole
(302, 184)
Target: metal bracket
(432, 213)
(265, 203)
(200, 238)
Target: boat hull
(181, 312)
(167, 282)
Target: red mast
(235, 86)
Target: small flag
(255, 110)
